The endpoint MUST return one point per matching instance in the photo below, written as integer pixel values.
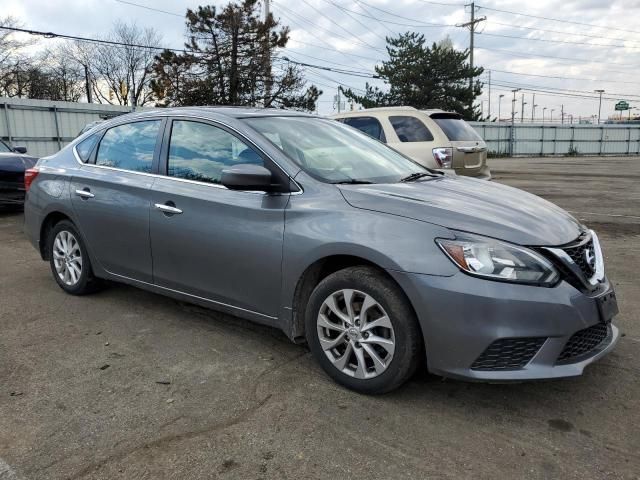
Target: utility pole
(267, 84)
(337, 99)
(87, 83)
(499, 105)
(533, 108)
(562, 113)
(522, 112)
(471, 25)
(543, 110)
(489, 107)
(513, 119)
(600, 104)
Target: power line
(150, 8)
(345, 10)
(330, 69)
(537, 29)
(567, 42)
(405, 18)
(557, 19)
(539, 55)
(560, 77)
(339, 26)
(87, 39)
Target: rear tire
(70, 263)
(362, 330)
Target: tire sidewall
(85, 275)
(407, 335)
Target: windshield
(3, 147)
(333, 152)
(457, 129)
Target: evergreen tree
(226, 62)
(424, 77)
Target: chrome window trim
(299, 190)
(598, 275)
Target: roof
(231, 111)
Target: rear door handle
(85, 193)
(170, 209)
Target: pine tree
(424, 77)
(226, 62)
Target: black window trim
(295, 187)
(383, 138)
(156, 150)
(282, 176)
(415, 118)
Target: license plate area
(607, 306)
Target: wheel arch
(315, 273)
(50, 221)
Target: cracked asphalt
(126, 384)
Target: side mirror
(20, 149)
(245, 176)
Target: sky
(559, 50)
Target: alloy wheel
(67, 258)
(356, 334)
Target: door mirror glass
(245, 176)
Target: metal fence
(540, 139)
(44, 127)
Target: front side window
(410, 129)
(129, 146)
(333, 152)
(85, 147)
(199, 151)
(368, 125)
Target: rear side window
(457, 129)
(85, 147)
(368, 125)
(199, 151)
(410, 129)
(129, 146)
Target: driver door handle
(169, 209)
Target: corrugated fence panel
(44, 126)
(541, 139)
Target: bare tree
(121, 74)
(14, 64)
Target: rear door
(111, 196)
(219, 244)
(469, 149)
(413, 138)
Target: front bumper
(461, 316)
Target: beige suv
(434, 138)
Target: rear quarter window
(457, 129)
(85, 147)
(410, 129)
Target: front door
(111, 196)
(209, 241)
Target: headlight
(496, 260)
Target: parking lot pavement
(127, 384)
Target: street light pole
(522, 112)
(543, 110)
(513, 119)
(599, 104)
(533, 108)
(551, 116)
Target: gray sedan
(381, 265)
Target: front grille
(583, 342)
(583, 254)
(508, 354)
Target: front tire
(362, 330)
(69, 260)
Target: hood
(471, 205)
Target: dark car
(13, 163)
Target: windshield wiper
(352, 181)
(415, 176)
